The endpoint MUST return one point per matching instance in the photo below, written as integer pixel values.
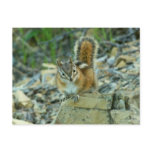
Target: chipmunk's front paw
(76, 98)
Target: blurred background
(34, 46)
(35, 50)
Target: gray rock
(120, 116)
(20, 122)
(111, 61)
(22, 99)
(90, 109)
(73, 115)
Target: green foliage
(52, 51)
(50, 43)
(103, 32)
(33, 63)
(111, 35)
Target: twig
(84, 31)
(29, 48)
(114, 44)
(24, 68)
(120, 38)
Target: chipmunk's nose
(70, 79)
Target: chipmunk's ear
(58, 62)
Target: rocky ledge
(98, 109)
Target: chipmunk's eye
(74, 71)
(63, 74)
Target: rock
(119, 102)
(127, 58)
(90, 109)
(52, 81)
(49, 65)
(22, 83)
(133, 72)
(124, 70)
(20, 122)
(124, 117)
(108, 88)
(123, 60)
(102, 59)
(135, 97)
(13, 106)
(40, 97)
(107, 81)
(121, 116)
(73, 115)
(111, 60)
(26, 115)
(20, 114)
(35, 84)
(48, 72)
(98, 101)
(130, 97)
(48, 76)
(55, 97)
(100, 83)
(99, 65)
(135, 116)
(22, 99)
(39, 108)
(121, 64)
(130, 49)
(42, 121)
(121, 105)
(114, 51)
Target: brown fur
(85, 50)
(89, 79)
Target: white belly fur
(71, 88)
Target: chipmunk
(76, 77)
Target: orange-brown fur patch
(86, 52)
(86, 80)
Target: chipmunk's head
(68, 71)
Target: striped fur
(75, 78)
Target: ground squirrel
(76, 77)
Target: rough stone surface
(48, 76)
(39, 108)
(120, 116)
(74, 115)
(123, 117)
(90, 109)
(114, 51)
(22, 99)
(99, 109)
(20, 122)
(121, 64)
(97, 101)
(126, 58)
(129, 97)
